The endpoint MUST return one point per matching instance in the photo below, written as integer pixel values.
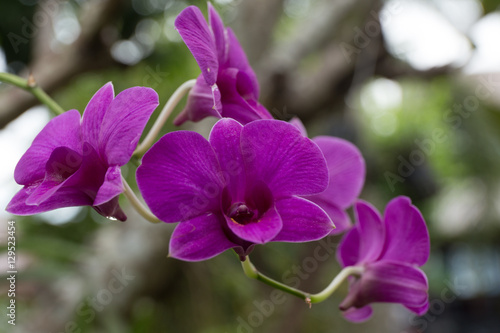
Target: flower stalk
(336, 282)
(137, 204)
(253, 273)
(32, 87)
(163, 117)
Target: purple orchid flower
(346, 168)
(390, 252)
(238, 189)
(227, 86)
(76, 162)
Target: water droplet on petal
(112, 218)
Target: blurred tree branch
(329, 55)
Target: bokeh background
(415, 84)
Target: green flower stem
(31, 86)
(162, 118)
(137, 204)
(336, 282)
(253, 273)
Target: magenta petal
(419, 310)
(338, 216)
(348, 250)
(124, 122)
(392, 282)
(199, 39)
(43, 191)
(111, 187)
(346, 168)
(245, 86)
(238, 97)
(64, 197)
(242, 111)
(61, 131)
(198, 239)
(63, 162)
(200, 104)
(180, 177)
(90, 175)
(276, 153)
(219, 32)
(371, 232)
(358, 315)
(258, 232)
(303, 221)
(237, 58)
(94, 114)
(407, 235)
(298, 124)
(225, 140)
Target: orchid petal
(237, 58)
(200, 104)
(219, 32)
(94, 114)
(43, 191)
(346, 168)
(61, 131)
(90, 175)
(392, 282)
(358, 315)
(180, 177)
(303, 221)
(338, 216)
(63, 162)
(407, 237)
(111, 187)
(64, 197)
(276, 153)
(225, 140)
(371, 232)
(238, 101)
(348, 250)
(243, 111)
(245, 86)
(295, 121)
(419, 310)
(124, 122)
(198, 239)
(199, 39)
